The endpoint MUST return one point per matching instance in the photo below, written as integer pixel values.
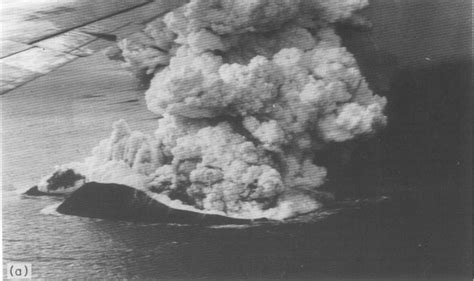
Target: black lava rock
(121, 202)
(34, 191)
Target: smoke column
(248, 92)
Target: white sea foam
(51, 210)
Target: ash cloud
(249, 92)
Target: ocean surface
(421, 232)
(394, 239)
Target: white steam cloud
(248, 92)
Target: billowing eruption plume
(249, 92)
